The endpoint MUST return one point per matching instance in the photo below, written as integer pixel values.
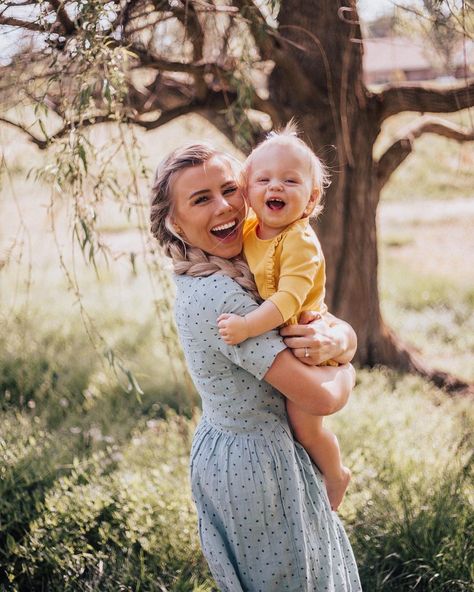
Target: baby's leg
(323, 448)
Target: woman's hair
(187, 259)
(289, 136)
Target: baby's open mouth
(275, 204)
(224, 230)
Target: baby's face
(279, 187)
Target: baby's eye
(262, 180)
(290, 181)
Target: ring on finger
(306, 352)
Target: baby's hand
(232, 328)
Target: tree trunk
(338, 112)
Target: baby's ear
(312, 202)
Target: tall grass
(410, 508)
(116, 514)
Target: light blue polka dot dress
(265, 522)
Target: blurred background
(97, 409)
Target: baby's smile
(275, 203)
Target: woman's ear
(177, 228)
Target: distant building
(396, 59)
(464, 60)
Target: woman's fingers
(308, 316)
(296, 330)
(298, 342)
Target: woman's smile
(224, 231)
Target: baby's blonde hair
(289, 135)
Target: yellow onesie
(289, 269)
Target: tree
(224, 59)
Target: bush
(119, 520)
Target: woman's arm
(329, 339)
(318, 390)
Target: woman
(264, 518)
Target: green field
(94, 492)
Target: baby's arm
(234, 329)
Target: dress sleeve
(299, 262)
(222, 295)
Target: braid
(195, 262)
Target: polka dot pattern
(265, 522)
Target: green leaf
(11, 543)
(82, 155)
(43, 129)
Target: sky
(370, 9)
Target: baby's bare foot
(336, 487)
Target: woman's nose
(223, 204)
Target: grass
(116, 513)
(94, 492)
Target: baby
(284, 182)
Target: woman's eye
(229, 190)
(201, 199)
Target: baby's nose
(275, 184)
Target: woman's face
(208, 207)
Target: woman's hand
(317, 339)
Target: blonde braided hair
(189, 260)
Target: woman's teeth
(224, 229)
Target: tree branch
(193, 30)
(395, 99)
(148, 60)
(63, 16)
(189, 19)
(258, 27)
(170, 114)
(43, 144)
(401, 148)
(213, 101)
(38, 141)
(29, 25)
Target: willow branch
(409, 97)
(401, 148)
